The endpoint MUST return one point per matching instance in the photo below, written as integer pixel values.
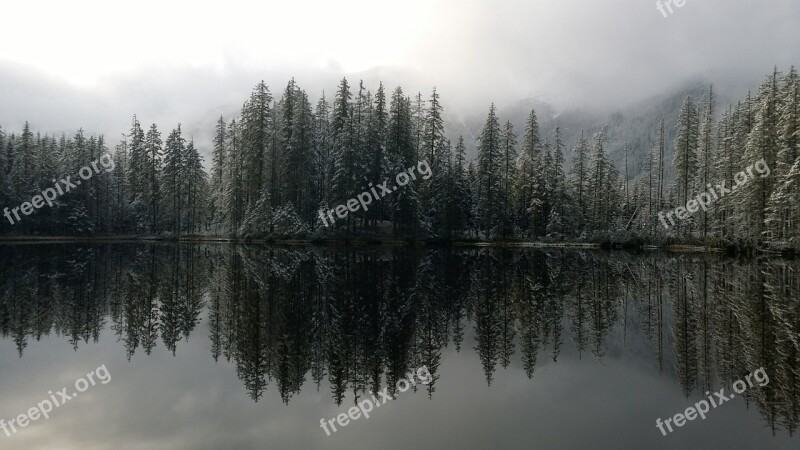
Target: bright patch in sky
(85, 40)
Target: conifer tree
(218, 161)
(662, 144)
(762, 144)
(151, 194)
(260, 157)
(559, 210)
(195, 190)
(706, 154)
(489, 172)
(528, 172)
(120, 194)
(602, 181)
(508, 154)
(401, 154)
(324, 161)
(137, 171)
(461, 200)
(376, 138)
(685, 156)
(235, 200)
(299, 158)
(173, 178)
(579, 174)
(4, 194)
(344, 157)
(781, 206)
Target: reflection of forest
(362, 318)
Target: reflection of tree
(362, 319)
(605, 304)
(507, 312)
(554, 308)
(705, 335)
(578, 312)
(685, 327)
(486, 313)
(782, 285)
(528, 292)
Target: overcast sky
(92, 64)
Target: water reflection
(361, 319)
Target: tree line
(281, 160)
(155, 186)
(710, 151)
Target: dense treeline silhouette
(282, 160)
(362, 319)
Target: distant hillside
(637, 125)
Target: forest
(283, 159)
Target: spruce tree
(489, 172)
(120, 208)
(706, 154)
(376, 138)
(195, 189)
(151, 193)
(528, 172)
(4, 197)
(781, 205)
(299, 160)
(685, 157)
(218, 161)
(579, 174)
(323, 154)
(344, 157)
(260, 155)
(401, 154)
(173, 179)
(598, 182)
(235, 200)
(508, 142)
(462, 195)
(762, 145)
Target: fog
(66, 65)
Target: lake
(221, 346)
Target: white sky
(85, 40)
(66, 64)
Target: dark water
(217, 346)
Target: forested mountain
(286, 159)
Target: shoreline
(359, 242)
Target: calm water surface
(239, 347)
